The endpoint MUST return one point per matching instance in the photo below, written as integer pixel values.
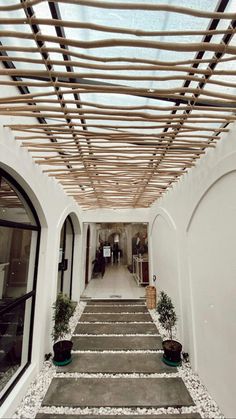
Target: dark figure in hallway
(115, 252)
(102, 262)
(99, 263)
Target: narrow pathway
(117, 282)
(116, 368)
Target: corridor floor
(116, 370)
(117, 282)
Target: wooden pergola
(108, 117)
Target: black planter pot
(62, 352)
(172, 352)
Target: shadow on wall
(211, 239)
(165, 258)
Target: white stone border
(120, 312)
(120, 412)
(107, 351)
(115, 335)
(116, 375)
(111, 322)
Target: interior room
(117, 177)
(120, 261)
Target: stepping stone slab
(117, 392)
(116, 302)
(116, 329)
(117, 317)
(115, 309)
(173, 416)
(112, 343)
(117, 363)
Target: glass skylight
(118, 95)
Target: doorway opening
(119, 257)
(87, 256)
(66, 252)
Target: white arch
(30, 193)
(77, 250)
(166, 215)
(70, 211)
(224, 167)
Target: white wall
(52, 206)
(92, 251)
(132, 215)
(212, 247)
(165, 262)
(193, 240)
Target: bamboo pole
(128, 6)
(109, 29)
(105, 59)
(121, 42)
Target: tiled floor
(117, 282)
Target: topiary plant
(166, 311)
(63, 310)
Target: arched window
(19, 242)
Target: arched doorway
(111, 245)
(66, 252)
(87, 256)
(19, 244)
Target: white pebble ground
(31, 403)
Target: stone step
(116, 302)
(117, 392)
(112, 343)
(116, 317)
(116, 329)
(169, 416)
(115, 309)
(111, 363)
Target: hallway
(117, 282)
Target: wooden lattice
(107, 155)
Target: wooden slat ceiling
(121, 98)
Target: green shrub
(166, 311)
(63, 310)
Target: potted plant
(63, 310)
(168, 319)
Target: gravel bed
(206, 406)
(115, 334)
(103, 411)
(115, 322)
(75, 318)
(120, 312)
(117, 305)
(136, 351)
(116, 375)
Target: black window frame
(31, 294)
(61, 270)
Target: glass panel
(68, 256)
(17, 256)
(65, 258)
(61, 261)
(13, 207)
(14, 340)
